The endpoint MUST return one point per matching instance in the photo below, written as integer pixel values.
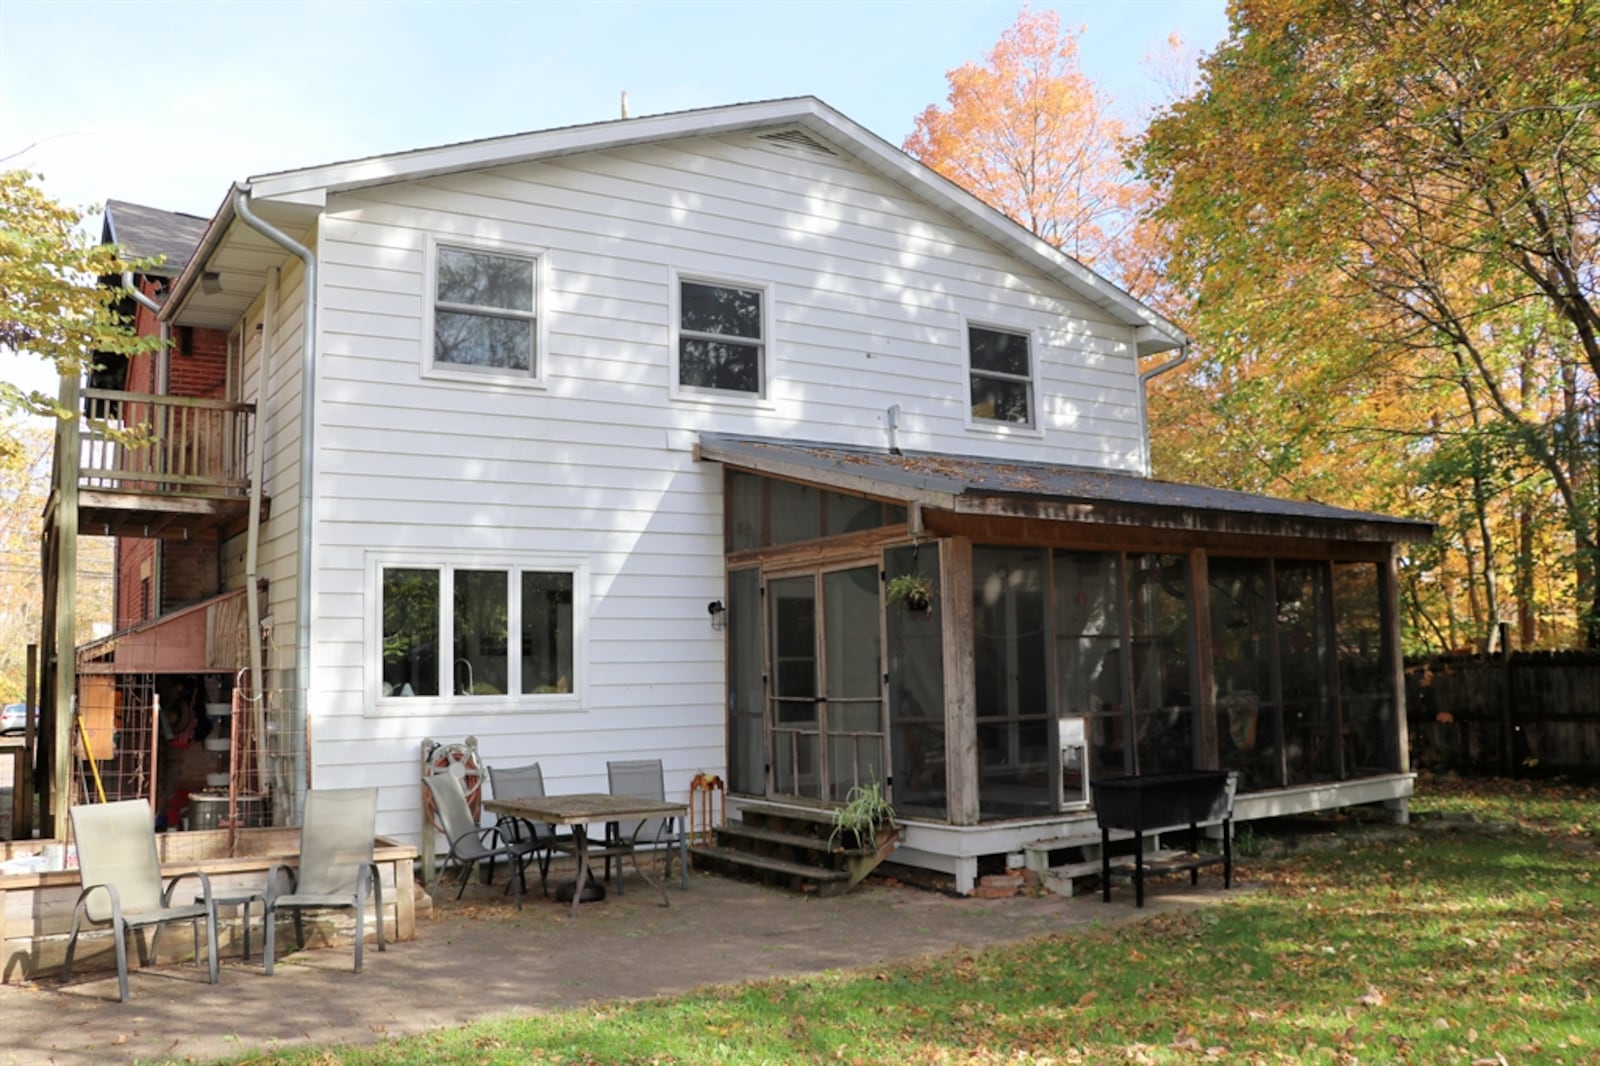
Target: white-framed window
(484, 312)
(478, 632)
(721, 338)
(1000, 370)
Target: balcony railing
(179, 445)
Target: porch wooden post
(1208, 757)
(1394, 664)
(960, 706)
(62, 648)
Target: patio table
(577, 810)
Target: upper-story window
(722, 344)
(1002, 376)
(485, 312)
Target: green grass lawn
(1452, 941)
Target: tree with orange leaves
(1028, 133)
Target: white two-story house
(610, 441)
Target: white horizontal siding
(870, 292)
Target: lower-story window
(469, 631)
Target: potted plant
(865, 815)
(914, 592)
(865, 830)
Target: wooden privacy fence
(1524, 713)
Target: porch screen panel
(795, 510)
(1089, 655)
(1162, 659)
(1310, 714)
(854, 680)
(796, 751)
(1016, 767)
(1366, 697)
(746, 698)
(1249, 723)
(916, 693)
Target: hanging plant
(914, 592)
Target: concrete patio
(480, 956)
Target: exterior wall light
(719, 615)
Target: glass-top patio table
(579, 809)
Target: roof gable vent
(797, 140)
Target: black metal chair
(644, 779)
(522, 782)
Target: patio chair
(471, 844)
(336, 868)
(121, 877)
(520, 782)
(644, 779)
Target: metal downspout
(252, 540)
(163, 380)
(302, 621)
(1147, 376)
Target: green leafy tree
(52, 303)
(1386, 214)
(24, 488)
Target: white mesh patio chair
(644, 779)
(471, 844)
(523, 782)
(336, 869)
(121, 877)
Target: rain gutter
(1147, 376)
(158, 568)
(308, 380)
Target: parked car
(13, 718)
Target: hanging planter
(914, 592)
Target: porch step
(790, 846)
(781, 816)
(799, 876)
(738, 831)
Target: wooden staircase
(790, 847)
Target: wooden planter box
(36, 909)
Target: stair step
(821, 816)
(763, 862)
(739, 831)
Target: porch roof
(966, 484)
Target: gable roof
(148, 232)
(804, 117)
(966, 484)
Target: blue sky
(166, 103)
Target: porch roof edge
(1019, 488)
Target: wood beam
(960, 706)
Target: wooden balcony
(171, 467)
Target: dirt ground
(481, 957)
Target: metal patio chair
(121, 877)
(471, 844)
(519, 782)
(644, 779)
(336, 869)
